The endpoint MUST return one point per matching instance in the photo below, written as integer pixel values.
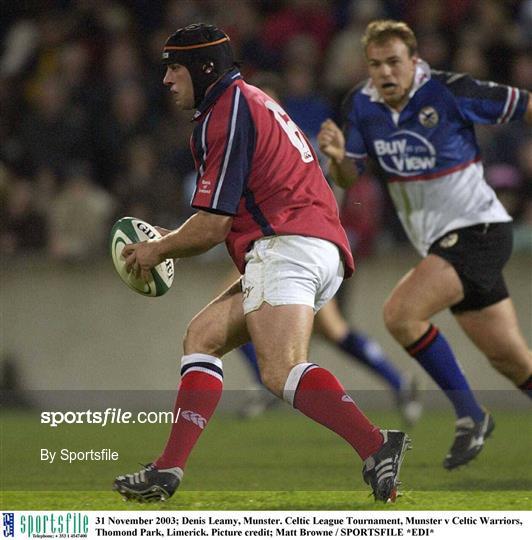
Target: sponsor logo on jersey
(449, 240)
(428, 117)
(405, 153)
(205, 186)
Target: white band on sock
(292, 382)
(204, 363)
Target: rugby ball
(129, 230)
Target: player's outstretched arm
(332, 143)
(198, 234)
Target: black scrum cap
(204, 50)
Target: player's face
(392, 70)
(178, 79)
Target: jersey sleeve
(223, 148)
(355, 148)
(484, 102)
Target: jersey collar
(216, 90)
(421, 77)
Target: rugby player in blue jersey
(418, 125)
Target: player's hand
(141, 258)
(332, 141)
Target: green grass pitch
(279, 461)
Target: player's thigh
(281, 335)
(432, 286)
(287, 280)
(330, 323)
(495, 331)
(220, 326)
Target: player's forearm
(344, 173)
(198, 234)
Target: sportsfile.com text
(111, 415)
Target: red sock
(318, 394)
(197, 398)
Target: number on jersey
(290, 128)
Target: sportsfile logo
(8, 522)
(64, 524)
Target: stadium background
(89, 134)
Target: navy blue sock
(526, 387)
(248, 350)
(371, 355)
(435, 356)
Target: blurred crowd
(89, 134)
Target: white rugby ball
(129, 230)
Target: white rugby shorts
(291, 269)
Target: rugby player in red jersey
(260, 189)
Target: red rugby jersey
(255, 164)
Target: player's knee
(394, 318)
(514, 366)
(504, 367)
(273, 379)
(199, 339)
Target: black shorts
(478, 254)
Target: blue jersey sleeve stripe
(228, 148)
(204, 147)
(239, 158)
(522, 104)
(509, 106)
(197, 158)
(465, 86)
(199, 140)
(483, 102)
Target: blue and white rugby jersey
(429, 152)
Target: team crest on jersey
(428, 117)
(449, 240)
